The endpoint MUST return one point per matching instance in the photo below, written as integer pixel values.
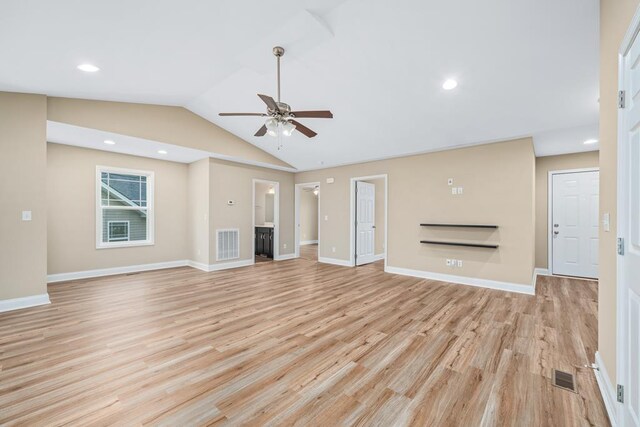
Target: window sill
(113, 245)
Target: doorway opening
(307, 216)
(573, 222)
(266, 220)
(369, 213)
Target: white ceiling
(523, 67)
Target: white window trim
(119, 222)
(150, 209)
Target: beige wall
(71, 205)
(23, 161)
(198, 196)
(234, 181)
(615, 16)
(543, 166)
(379, 214)
(498, 181)
(173, 125)
(308, 216)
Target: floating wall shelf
(460, 225)
(469, 245)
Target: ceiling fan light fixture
(272, 126)
(288, 128)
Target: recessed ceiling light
(109, 142)
(449, 84)
(88, 68)
(590, 141)
(162, 151)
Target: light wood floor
(298, 342)
(309, 252)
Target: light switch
(450, 181)
(459, 263)
(326, 217)
(459, 190)
(329, 180)
(454, 190)
(26, 215)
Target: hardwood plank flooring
(299, 343)
(309, 252)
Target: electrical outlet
(333, 249)
(459, 263)
(284, 246)
(454, 190)
(26, 215)
(326, 217)
(448, 263)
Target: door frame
(550, 209)
(622, 334)
(276, 218)
(298, 189)
(352, 217)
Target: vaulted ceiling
(523, 67)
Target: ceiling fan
(281, 119)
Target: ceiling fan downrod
(278, 51)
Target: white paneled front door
(629, 233)
(574, 224)
(365, 222)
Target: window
(124, 215)
(118, 231)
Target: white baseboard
(308, 242)
(285, 257)
(62, 277)
(24, 302)
(462, 280)
(198, 265)
(220, 266)
(335, 261)
(379, 256)
(542, 271)
(607, 390)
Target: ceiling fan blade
(261, 131)
(303, 129)
(242, 114)
(270, 102)
(324, 114)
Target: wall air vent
(228, 244)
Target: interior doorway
(369, 214)
(266, 220)
(574, 222)
(307, 216)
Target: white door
(574, 219)
(365, 222)
(629, 230)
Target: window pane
(123, 189)
(136, 219)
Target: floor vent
(563, 380)
(228, 244)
